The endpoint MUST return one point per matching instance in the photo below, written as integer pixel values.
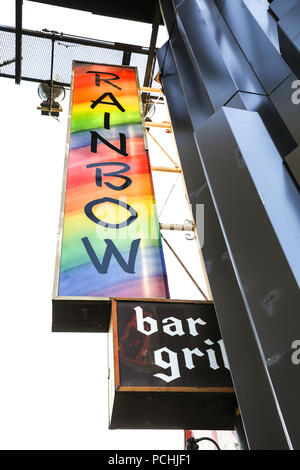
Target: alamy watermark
(296, 94)
(296, 352)
(122, 220)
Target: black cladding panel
(255, 44)
(289, 34)
(281, 7)
(134, 10)
(230, 309)
(225, 54)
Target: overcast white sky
(53, 391)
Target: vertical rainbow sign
(110, 242)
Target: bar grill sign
(110, 244)
(168, 366)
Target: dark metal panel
(168, 14)
(281, 7)
(265, 59)
(259, 412)
(240, 432)
(289, 38)
(242, 155)
(198, 102)
(135, 10)
(282, 99)
(88, 316)
(280, 134)
(234, 59)
(163, 410)
(205, 54)
(259, 9)
(293, 163)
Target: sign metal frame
(73, 313)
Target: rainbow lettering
(111, 245)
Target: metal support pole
(182, 264)
(52, 64)
(186, 227)
(153, 39)
(147, 89)
(18, 69)
(126, 58)
(161, 148)
(166, 169)
(163, 125)
(240, 432)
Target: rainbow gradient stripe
(78, 276)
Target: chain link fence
(37, 49)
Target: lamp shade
(58, 92)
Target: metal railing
(37, 48)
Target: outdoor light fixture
(51, 94)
